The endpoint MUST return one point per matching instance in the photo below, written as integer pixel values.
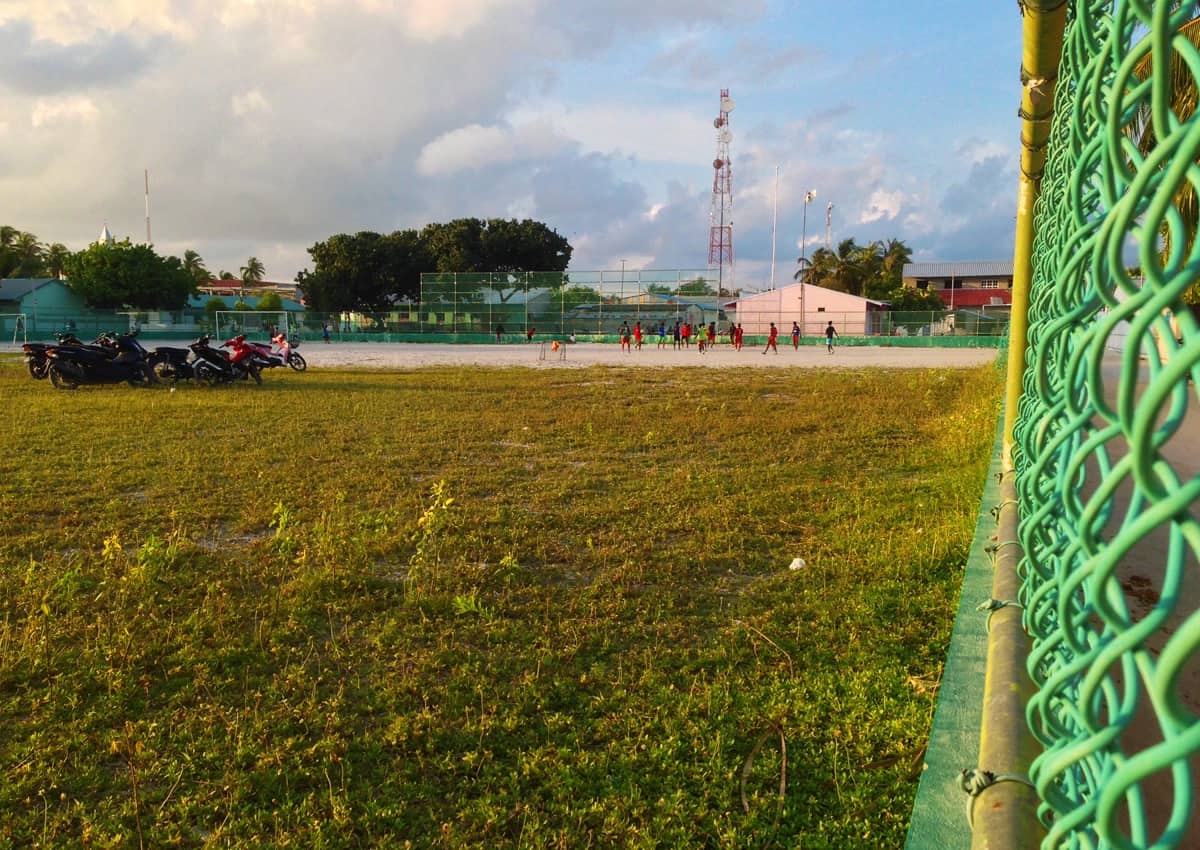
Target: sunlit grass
(480, 608)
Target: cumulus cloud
(47, 111)
(38, 66)
(882, 205)
(269, 125)
(475, 146)
(249, 102)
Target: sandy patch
(406, 355)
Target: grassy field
(480, 608)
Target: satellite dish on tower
(727, 104)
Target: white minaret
(106, 235)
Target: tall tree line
(373, 271)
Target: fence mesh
(1106, 452)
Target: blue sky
(267, 126)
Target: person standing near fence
(795, 336)
(737, 337)
(830, 333)
(637, 335)
(772, 339)
(676, 334)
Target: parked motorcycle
(172, 364)
(281, 355)
(117, 359)
(213, 366)
(35, 353)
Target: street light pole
(810, 195)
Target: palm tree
(55, 258)
(253, 271)
(28, 252)
(895, 255)
(193, 265)
(816, 270)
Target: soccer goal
(230, 323)
(16, 323)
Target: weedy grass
(480, 608)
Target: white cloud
(881, 205)
(433, 20)
(57, 110)
(476, 146)
(647, 132)
(251, 101)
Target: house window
(820, 309)
(922, 284)
(989, 283)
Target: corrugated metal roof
(973, 268)
(16, 288)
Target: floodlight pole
(810, 195)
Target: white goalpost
(252, 323)
(17, 322)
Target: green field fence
(1106, 445)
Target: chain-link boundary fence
(1106, 455)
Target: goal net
(13, 326)
(252, 323)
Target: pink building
(812, 307)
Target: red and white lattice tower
(720, 231)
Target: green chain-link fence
(1106, 446)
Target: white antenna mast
(828, 221)
(149, 241)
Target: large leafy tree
(128, 275)
(506, 246)
(370, 271)
(364, 271)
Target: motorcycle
(115, 360)
(283, 355)
(172, 364)
(213, 366)
(35, 353)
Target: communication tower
(720, 232)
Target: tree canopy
(370, 271)
(22, 255)
(128, 275)
(873, 271)
(365, 271)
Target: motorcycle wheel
(206, 374)
(60, 379)
(39, 369)
(297, 362)
(143, 375)
(165, 371)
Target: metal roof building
(972, 268)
